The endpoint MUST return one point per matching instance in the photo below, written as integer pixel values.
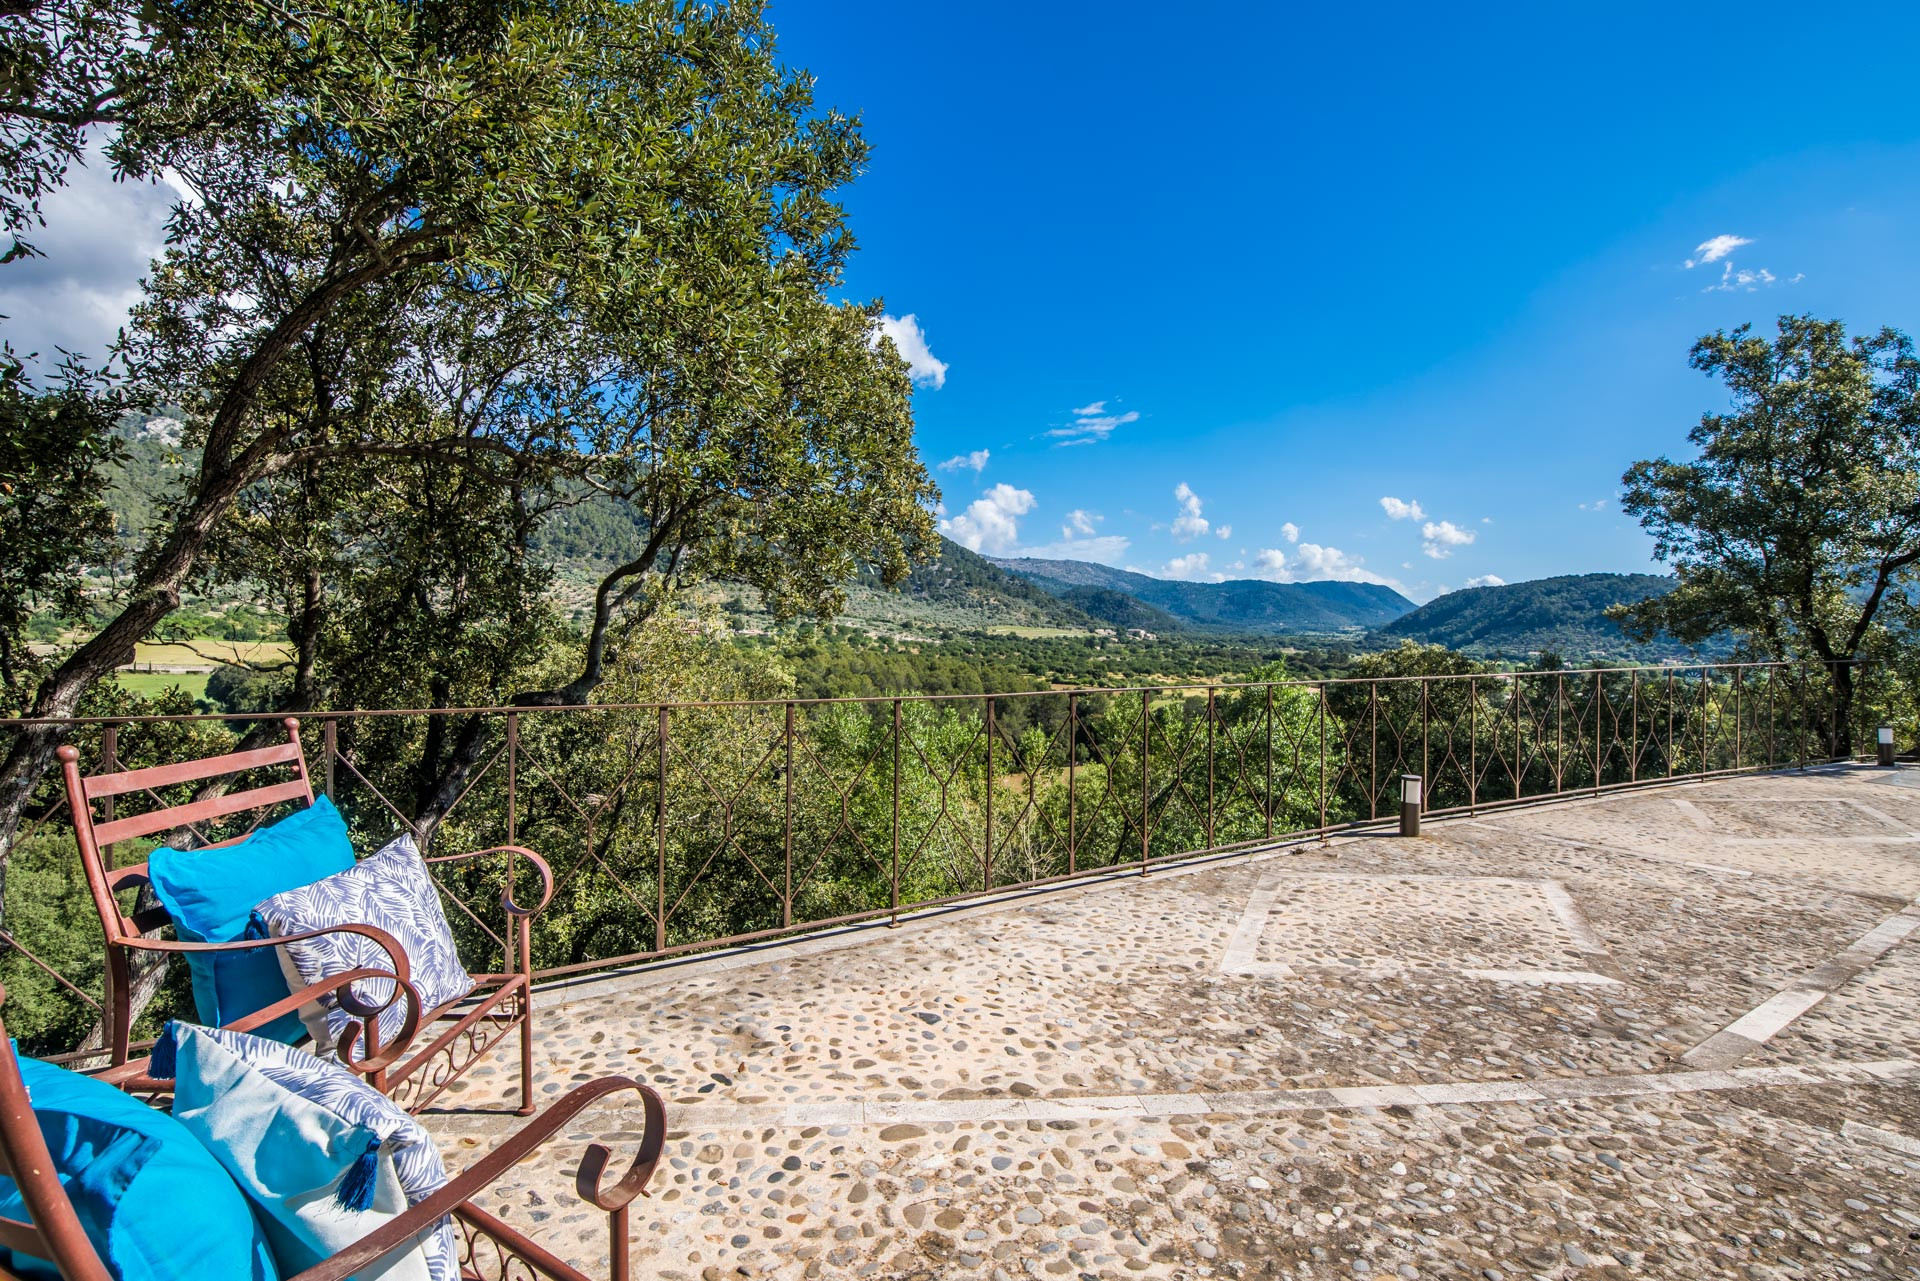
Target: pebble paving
(1294, 1064)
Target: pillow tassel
(161, 1059)
(256, 927)
(356, 1186)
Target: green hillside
(1248, 606)
(962, 589)
(1566, 615)
(1119, 610)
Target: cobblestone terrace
(1671, 1033)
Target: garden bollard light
(1409, 805)
(1886, 745)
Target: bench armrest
(340, 986)
(404, 1229)
(506, 895)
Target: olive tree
(1798, 521)
(643, 181)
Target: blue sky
(1200, 286)
(1298, 262)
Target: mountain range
(962, 590)
(1245, 606)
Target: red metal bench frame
(459, 1033)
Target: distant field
(148, 684)
(211, 652)
(1034, 633)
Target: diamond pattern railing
(685, 826)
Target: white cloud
(1442, 537)
(1736, 279)
(991, 522)
(1597, 505)
(1081, 523)
(1290, 532)
(911, 342)
(1715, 249)
(1225, 532)
(1487, 580)
(1311, 562)
(1191, 567)
(975, 462)
(100, 237)
(1091, 424)
(1189, 524)
(1397, 510)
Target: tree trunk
(469, 745)
(156, 594)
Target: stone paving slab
(1317, 1061)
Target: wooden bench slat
(157, 776)
(123, 829)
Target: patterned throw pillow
(391, 891)
(323, 1156)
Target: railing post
(1269, 801)
(1073, 791)
(513, 775)
(1669, 722)
(1426, 735)
(1146, 777)
(1473, 744)
(986, 857)
(894, 905)
(1559, 733)
(1833, 713)
(1596, 732)
(1633, 756)
(330, 750)
(524, 934)
(1518, 766)
(786, 775)
(1373, 751)
(1209, 767)
(1772, 672)
(1704, 682)
(1323, 762)
(660, 839)
(1739, 674)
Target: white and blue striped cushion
(392, 891)
(244, 1098)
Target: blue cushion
(324, 1157)
(154, 1202)
(210, 894)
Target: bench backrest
(97, 835)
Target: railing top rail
(349, 713)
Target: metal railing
(682, 826)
